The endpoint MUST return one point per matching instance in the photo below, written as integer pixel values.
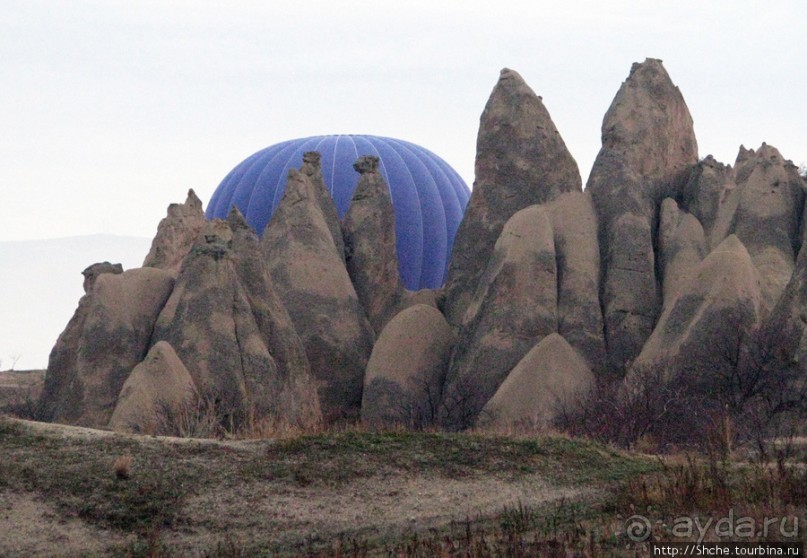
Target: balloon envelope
(428, 196)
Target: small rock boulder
(551, 379)
(407, 368)
(158, 386)
(92, 272)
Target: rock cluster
(664, 262)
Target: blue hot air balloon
(428, 196)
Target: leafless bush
(196, 417)
(461, 404)
(740, 387)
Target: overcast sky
(110, 110)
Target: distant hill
(40, 285)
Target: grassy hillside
(84, 492)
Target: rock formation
(514, 306)
(222, 326)
(107, 336)
(551, 379)
(666, 273)
(310, 279)
(209, 322)
(768, 215)
(703, 327)
(371, 255)
(407, 367)
(158, 386)
(293, 393)
(92, 272)
(682, 246)
(312, 168)
(521, 160)
(574, 226)
(708, 195)
(788, 320)
(647, 143)
(176, 234)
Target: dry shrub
(655, 410)
(740, 389)
(256, 427)
(207, 417)
(122, 467)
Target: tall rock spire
(647, 142)
(521, 160)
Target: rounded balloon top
(428, 196)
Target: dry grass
(266, 498)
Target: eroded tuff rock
(312, 168)
(310, 278)
(371, 254)
(521, 160)
(785, 330)
(708, 194)
(293, 393)
(682, 246)
(515, 305)
(157, 388)
(211, 325)
(407, 368)
(105, 339)
(551, 379)
(92, 272)
(574, 224)
(647, 144)
(176, 234)
(768, 216)
(703, 327)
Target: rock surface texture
(158, 386)
(176, 234)
(309, 276)
(106, 338)
(407, 368)
(371, 254)
(551, 379)
(647, 142)
(521, 160)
